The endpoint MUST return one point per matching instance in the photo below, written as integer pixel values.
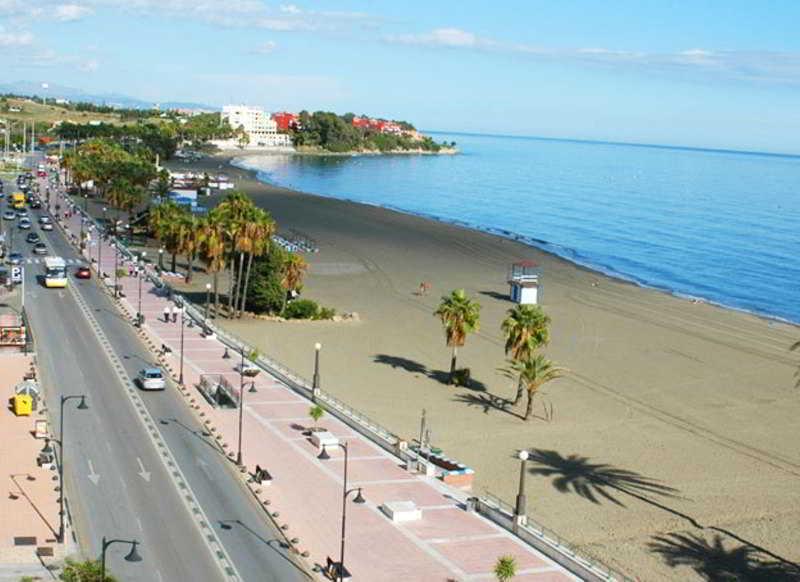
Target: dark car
(14, 259)
(40, 248)
(36, 204)
(33, 237)
(83, 273)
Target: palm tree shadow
(487, 402)
(596, 481)
(414, 367)
(714, 561)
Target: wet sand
(677, 424)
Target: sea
(716, 225)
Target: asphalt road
(116, 481)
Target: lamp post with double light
(315, 381)
(359, 499)
(133, 555)
(520, 511)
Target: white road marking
(93, 477)
(142, 473)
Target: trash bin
(23, 405)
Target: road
(117, 478)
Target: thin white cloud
(290, 9)
(265, 48)
(15, 39)
(753, 66)
(70, 12)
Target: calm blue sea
(721, 226)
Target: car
(33, 237)
(25, 224)
(36, 204)
(46, 226)
(9, 215)
(151, 379)
(40, 248)
(22, 213)
(83, 272)
(14, 259)
(44, 219)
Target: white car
(44, 219)
(24, 224)
(47, 226)
(151, 379)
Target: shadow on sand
(414, 367)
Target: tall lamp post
(161, 260)
(241, 406)
(100, 232)
(183, 321)
(48, 451)
(520, 511)
(315, 381)
(345, 494)
(208, 300)
(133, 555)
(140, 275)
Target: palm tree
(533, 372)
(164, 223)
(259, 232)
(234, 212)
(294, 269)
(505, 568)
(188, 235)
(460, 316)
(212, 251)
(526, 328)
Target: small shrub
(316, 412)
(301, 309)
(326, 313)
(122, 273)
(505, 568)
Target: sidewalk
(29, 497)
(448, 543)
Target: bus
(17, 200)
(55, 272)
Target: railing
(547, 541)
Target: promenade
(305, 495)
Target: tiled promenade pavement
(28, 496)
(448, 543)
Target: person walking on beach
(174, 314)
(166, 314)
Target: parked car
(83, 273)
(14, 259)
(151, 379)
(40, 248)
(33, 237)
(10, 215)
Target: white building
(257, 124)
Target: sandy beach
(673, 442)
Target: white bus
(55, 274)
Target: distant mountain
(112, 99)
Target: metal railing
(547, 540)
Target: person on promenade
(174, 314)
(166, 314)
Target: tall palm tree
(533, 372)
(164, 223)
(460, 316)
(259, 232)
(188, 235)
(234, 212)
(294, 269)
(212, 251)
(526, 328)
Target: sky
(702, 73)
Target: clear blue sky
(720, 73)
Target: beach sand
(677, 424)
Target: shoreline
(544, 246)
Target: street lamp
(183, 319)
(48, 450)
(520, 511)
(115, 244)
(161, 259)
(241, 406)
(323, 456)
(100, 233)
(208, 299)
(133, 555)
(315, 382)
(140, 275)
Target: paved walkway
(448, 543)
(28, 496)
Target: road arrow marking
(142, 473)
(204, 468)
(93, 477)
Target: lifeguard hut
(523, 278)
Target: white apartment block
(258, 125)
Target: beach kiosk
(523, 278)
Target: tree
(316, 412)
(188, 234)
(258, 232)
(526, 328)
(164, 222)
(460, 316)
(212, 251)
(294, 269)
(533, 372)
(505, 568)
(266, 294)
(88, 571)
